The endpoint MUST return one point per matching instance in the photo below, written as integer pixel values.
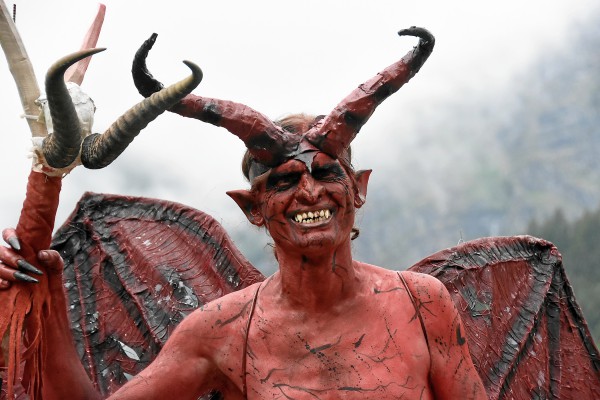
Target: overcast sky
(275, 56)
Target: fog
(277, 57)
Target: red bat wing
(526, 333)
(134, 268)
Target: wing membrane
(134, 268)
(526, 333)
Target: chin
(316, 244)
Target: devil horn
(61, 148)
(142, 78)
(334, 133)
(266, 141)
(99, 150)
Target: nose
(309, 190)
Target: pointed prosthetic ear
(246, 200)
(362, 181)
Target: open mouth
(312, 217)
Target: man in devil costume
(324, 325)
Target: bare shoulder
(431, 295)
(214, 326)
(372, 272)
(203, 353)
(223, 313)
(422, 281)
(452, 373)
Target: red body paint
(35, 232)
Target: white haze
(275, 56)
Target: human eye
(283, 181)
(329, 172)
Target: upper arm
(452, 373)
(183, 369)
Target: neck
(317, 281)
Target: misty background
(496, 135)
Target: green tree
(579, 244)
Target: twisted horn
(61, 148)
(334, 133)
(99, 150)
(266, 141)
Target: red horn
(334, 133)
(267, 142)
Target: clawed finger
(10, 236)
(26, 267)
(11, 259)
(11, 275)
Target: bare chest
(366, 354)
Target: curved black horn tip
(421, 33)
(146, 46)
(151, 40)
(145, 83)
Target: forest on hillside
(578, 242)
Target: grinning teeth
(312, 216)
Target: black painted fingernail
(14, 242)
(25, 266)
(25, 278)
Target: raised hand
(13, 268)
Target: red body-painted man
(324, 325)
